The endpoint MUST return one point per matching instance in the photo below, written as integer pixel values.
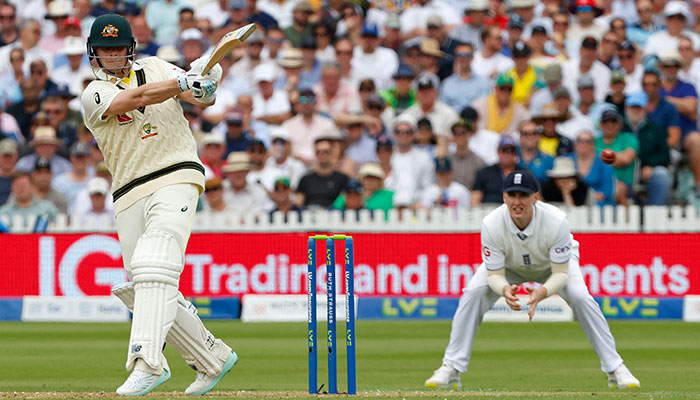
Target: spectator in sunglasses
(498, 110)
(461, 88)
(307, 126)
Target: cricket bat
(226, 44)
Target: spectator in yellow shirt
(526, 80)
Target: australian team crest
(109, 31)
(149, 130)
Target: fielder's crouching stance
(525, 240)
(134, 114)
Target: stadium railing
(581, 219)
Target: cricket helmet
(110, 30)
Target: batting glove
(197, 66)
(204, 90)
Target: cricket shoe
(140, 382)
(622, 378)
(204, 383)
(445, 377)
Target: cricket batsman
(525, 240)
(133, 112)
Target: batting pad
(155, 305)
(200, 349)
(155, 268)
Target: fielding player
(525, 240)
(134, 114)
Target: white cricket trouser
(162, 221)
(478, 298)
(169, 209)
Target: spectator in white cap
(192, 44)
(332, 95)
(428, 105)
(212, 153)
(251, 59)
(69, 74)
(280, 162)
(270, 105)
(98, 216)
(476, 13)
(677, 15)
(407, 158)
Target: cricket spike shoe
(140, 383)
(205, 383)
(622, 378)
(445, 377)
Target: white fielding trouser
(478, 298)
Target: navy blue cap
(610, 114)
(255, 142)
(370, 30)
(384, 142)
(443, 164)
(353, 185)
(404, 71)
(521, 181)
(516, 22)
(42, 163)
(308, 42)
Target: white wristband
(182, 83)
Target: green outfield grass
(510, 360)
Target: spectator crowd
(335, 104)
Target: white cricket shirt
(144, 149)
(528, 253)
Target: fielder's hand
(511, 299)
(535, 296)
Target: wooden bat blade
(226, 44)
